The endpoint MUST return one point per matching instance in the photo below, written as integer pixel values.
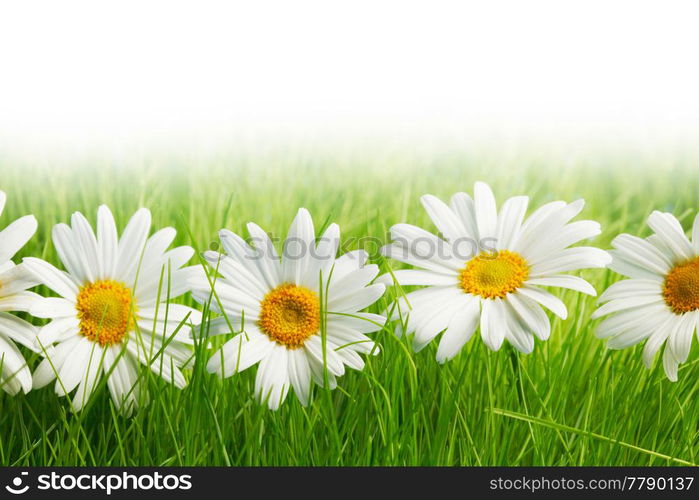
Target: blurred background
(115, 79)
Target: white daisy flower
(660, 301)
(14, 282)
(276, 303)
(487, 268)
(113, 311)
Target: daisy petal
(238, 354)
(158, 361)
(535, 224)
(363, 322)
(18, 330)
(321, 258)
(15, 236)
(54, 331)
(631, 288)
(629, 319)
(463, 206)
(54, 359)
(352, 282)
(510, 221)
(633, 336)
(107, 241)
(131, 245)
(620, 264)
(517, 333)
(670, 231)
(314, 347)
(243, 256)
(492, 323)
(571, 259)
(641, 253)
(550, 302)
(358, 300)
(346, 338)
(536, 230)
(87, 245)
(66, 247)
(299, 243)
(627, 303)
(16, 280)
(22, 301)
(350, 358)
(443, 217)
(72, 373)
(680, 340)
(656, 341)
(349, 262)
(670, 364)
(272, 381)
(320, 375)
(122, 381)
(90, 380)
(461, 328)
(418, 244)
(15, 375)
(53, 307)
(436, 321)
(557, 241)
(266, 256)
(531, 314)
(58, 281)
(565, 281)
(300, 375)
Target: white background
(84, 72)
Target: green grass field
(571, 402)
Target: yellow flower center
(681, 289)
(492, 275)
(290, 314)
(105, 311)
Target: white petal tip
(443, 358)
(384, 279)
(427, 198)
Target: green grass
(570, 402)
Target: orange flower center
(105, 311)
(290, 314)
(494, 275)
(681, 289)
